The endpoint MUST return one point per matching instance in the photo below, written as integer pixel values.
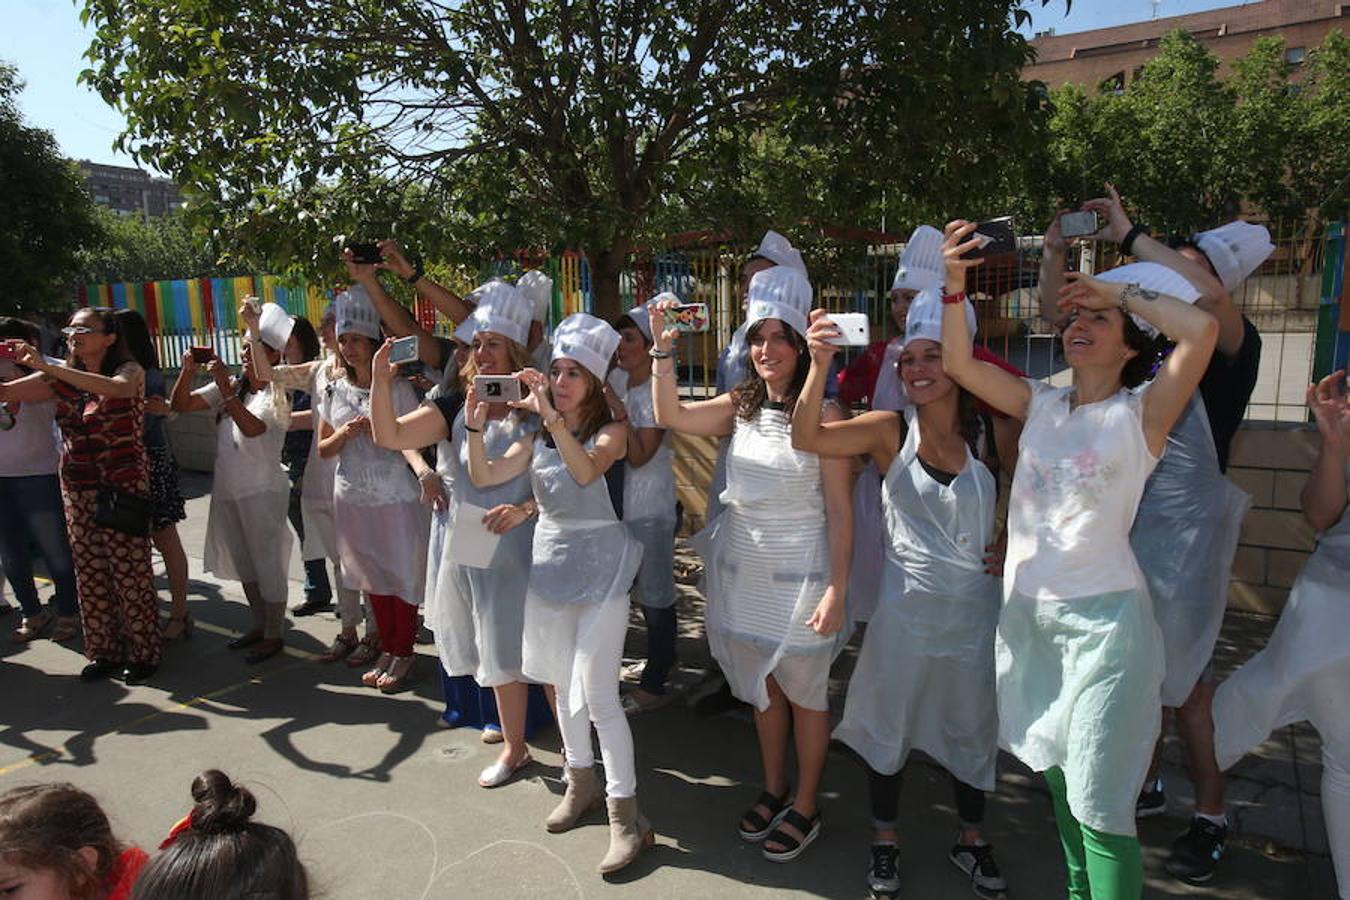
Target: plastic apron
(1308, 656)
(731, 369)
(649, 508)
(440, 518)
(925, 676)
(582, 556)
(868, 560)
(479, 614)
(1184, 538)
(767, 563)
(316, 491)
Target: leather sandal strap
(790, 842)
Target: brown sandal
(366, 652)
(343, 646)
(31, 628)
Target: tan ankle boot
(583, 795)
(629, 832)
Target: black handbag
(123, 511)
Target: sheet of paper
(471, 544)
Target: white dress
(381, 524)
(582, 557)
(767, 565)
(1185, 535)
(316, 490)
(1079, 654)
(649, 507)
(479, 614)
(925, 677)
(247, 538)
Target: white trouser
(351, 609)
(1330, 712)
(599, 652)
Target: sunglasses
(72, 330)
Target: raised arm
(422, 427)
(1326, 494)
(836, 481)
(714, 418)
(483, 471)
(1000, 389)
(249, 425)
(181, 398)
(447, 302)
(128, 381)
(1054, 259)
(396, 318)
(21, 387)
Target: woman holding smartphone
(583, 562)
(1079, 654)
(380, 522)
(776, 557)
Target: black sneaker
(883, 875)
(313, 605)
(1152, 801)
(1196, 854)
(139, 673)
(100, 669)
(977, 861)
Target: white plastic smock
(381, 525)
(437, 561)
(767, 565)
(479, 614)
(1079, 654)
(731, 370)
(247, 537)
(316, 490)
(925, 676)
(1303, 673)
(649, 507)
(1185, 535)
(582, 556)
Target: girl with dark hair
(100, 408)
(219, 853)
(1078, 654)
(925, 677)
(246, 536)
(776, 558)
(165, 496)
(56, 842)
(582, 565)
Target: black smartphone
(996, 237)
(366, 253)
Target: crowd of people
(867, 492)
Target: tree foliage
(490, 125)
(48, 216)
(160, 249)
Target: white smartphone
(1079, 224)
(403, 350)
(854, 329)
(497, 388)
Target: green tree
(162, 248)
(501, 124)
(1321, 176)
(48, 216)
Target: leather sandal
(793, 847)
(343, 646)
(372, 678)
(366, 652)
(760, 827)
(31, 628)
(398, 676)
(176, 627)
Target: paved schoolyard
(383, 802)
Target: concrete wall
(193, 438)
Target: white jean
(600, 631)
(351, 607)
(1330, 711)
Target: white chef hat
(502, 309)
(539, 288)
(354, 313)
(779, 251)
(1152, 277)
(465, 331)
(921, 266)
(642, 314)
(924, 321)
(584, 339)
(274, 326)
(1236, 250)
(779, 293)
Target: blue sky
(45, 40)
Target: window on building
(1136, 74)
(1114, 84)
(1295, 55)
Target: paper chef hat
(274, 326)
(584, 339)
(924, 321)
(779, 293)
(779, 251)
(921, 266)
(539, 288)
(465, 331)
(1152, 277)
(502, 309)
(1236, 250)
(355, 314)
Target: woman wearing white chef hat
(583, 563)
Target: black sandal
(760, 826)
(793, 847)
(247, 639)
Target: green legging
(1101, 866)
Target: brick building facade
(129, 191)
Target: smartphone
(403, 350)
(854, 329)
(996, 237)
(497, 388)
(1079, 224)
(691, 317)
(366, 253)
(203, 355)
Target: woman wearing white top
(776, 557)
(246, 534)
(583, 563)
(381, 524)
(1079, 653)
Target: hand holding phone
(1079, 224)
(995, 237)
(202, 355)
(497, 388)
(854, 329)
(403, 350)
(366, 253)
(689, 317)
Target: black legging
(885, 792)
